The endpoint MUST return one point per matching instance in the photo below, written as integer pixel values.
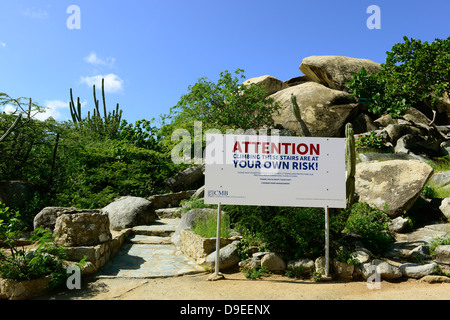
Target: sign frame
(218, 174)
(275, 171)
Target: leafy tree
(227, 104)
(414, 72)
(143, 134)
(28, 151)
(94, 171)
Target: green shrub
(293, 232)
(371, 141)
(20, 264)
(97, 171)
(255, 273)
(371, 224)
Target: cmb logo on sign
(217, 193)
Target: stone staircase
(158, 233)
(149, 252)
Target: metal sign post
(217, 275)
(327, 242)
(219, 218)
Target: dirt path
(236, 287)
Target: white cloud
(2, 44)
(8, 109)
(113, 83)
(56, 109)
(95, 60)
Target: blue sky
(151, 51)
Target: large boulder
(335, 71)
(190, 178)
(445, 208)
(304, 265)
(443, 111)
(273, 262)
(228, 257)
(128, 212)
(270, 84)
(384, 269)
(417, 271)
(170, 200)
(46, 218)
(442, 254)
(325, 111)
(391, 186)
(82, 228)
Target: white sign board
(275, 171)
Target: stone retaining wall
(96, 257)
(100, 254)
(198, 248)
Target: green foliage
(428, 191)
(414, 72)
(431, 191)
(97, 171)
(27, 153)
(143, 134)
(207, 227)
(255, 273)
(438, 242)
(343, 256)
(45, 260)
(371, 141)
(11, 226)
(77, 167)
(296, 272)
(292, 232)
(371, 224)
(106, 125)
(440, 164)
(226, 104)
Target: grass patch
(432, 191)
(440, 164)
(438, 242)
(207, 228)
(189, 204)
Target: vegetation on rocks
(414, 72)
(20, 264)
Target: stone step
(160, 228)
(169, 212)
(142, 239)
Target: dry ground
(236, 287)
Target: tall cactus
(106, 125)
(298, 116)
(350, 153)
(75, 112)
